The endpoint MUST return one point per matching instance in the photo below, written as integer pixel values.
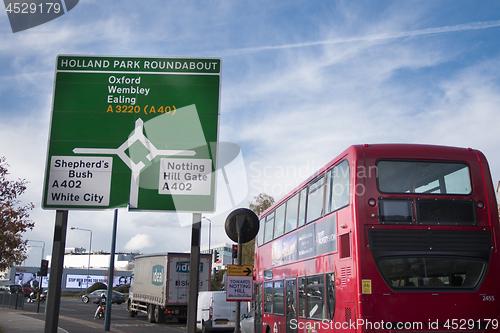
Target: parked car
(246, 323)
(12, 289)
(95, 296)
(215, 314)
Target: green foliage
(261, 203)
(97, 285)
(71, 294)
(248, 253)
(122, 289)
(14, 219)
(216, 284)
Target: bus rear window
(432, 272)
(423, 177)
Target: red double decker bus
(384, 238)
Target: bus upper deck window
(260, 235)
(423, 177)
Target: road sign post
(132, 131)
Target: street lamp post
(90, 251)
(209, 240)
(209, 234)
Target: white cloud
(139, 242)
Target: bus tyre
(151, 313)
(159, 314)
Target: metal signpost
(136, 132)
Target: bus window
(292, 208)
(279, 298)
(279, 221)
(423, 177)
(315, 199)
(302, 297)
(302, 208)
(316, 297)
(330, 286)
(337, 195)
(268, 231)
(432, 272)
(260, 235)
(268, 297)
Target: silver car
(246, 324)
(95, 296)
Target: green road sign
(132, 131)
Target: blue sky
(301, 81)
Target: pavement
(16, 321)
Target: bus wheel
(151, 313)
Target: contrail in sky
(383, 36)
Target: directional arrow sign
(239, 283)
(132, 131)
(239, 270)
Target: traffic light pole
(39, 294)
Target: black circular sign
(248, 225)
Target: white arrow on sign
(137, 135)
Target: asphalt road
(77, 317)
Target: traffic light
(44, 267)
(216, 256)
(235, 250)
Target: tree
(260, 203)
(14, 219)
(216, 284)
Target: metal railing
(12, 300)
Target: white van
(215, 314)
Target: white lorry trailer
(160, 285)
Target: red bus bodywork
(365, 300)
